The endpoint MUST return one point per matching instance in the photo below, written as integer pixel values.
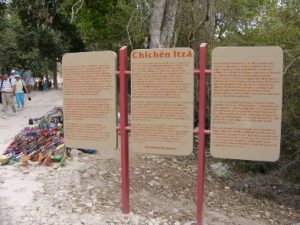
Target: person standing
(12, 76)
(8, 91)
(32, 83)
(19, 72)
(20, 92)
(46, 84)
(41, 85)
(1, 78)
(27, 75)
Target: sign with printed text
(246, 103)
(90, 100)
(162, 101)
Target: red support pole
(201, 132)
(123, 130)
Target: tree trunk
(169, 24)
(55, 75)
(162, 23)
(156, 22)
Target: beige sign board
(246, 103)
(90, 100)
(162, 101)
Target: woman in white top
(19, 92)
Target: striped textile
(7, 85)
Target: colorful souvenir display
(43, 142)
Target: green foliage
(109, 24)
(129, 25)
(9, 52)
(36, 34)
(52, 33)
(91, 20)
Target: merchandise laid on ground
(41, 143)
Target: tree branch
(127, 28)
(290, 64)
(75, 10)
(204, 14)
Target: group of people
(14, 86)
(42, 85)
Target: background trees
(38, 33)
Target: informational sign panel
(162, 100)
(90, 100)
(246, 103)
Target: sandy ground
(87, 190)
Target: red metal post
(123, 130)
(201, 132)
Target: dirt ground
(87, 190)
